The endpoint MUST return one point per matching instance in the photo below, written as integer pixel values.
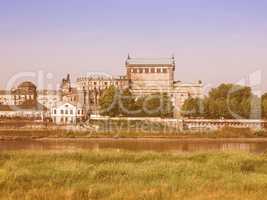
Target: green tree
(127, 103)
(109, 102)
(158, 105)
(226, 101)
(194, 107)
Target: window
(66, 119)
(158, 70)
(165, 70)
(66, 112)
(71, 112)
(79, 112)
(134, 70)
(62, 112)
(55, 111)
(152, 70)
(146, 70)
(61, 119)
(140, 70)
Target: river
(141, 144)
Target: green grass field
(119, 175)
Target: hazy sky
(213, 40)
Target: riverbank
(14, 134)
(128, 175)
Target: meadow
(115, 175)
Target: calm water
(160, 145)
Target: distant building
(143, 77)
(24, 93)
(24, 111)
(148, 76)
(6, 97)
(67, 113)
(48, 98)
(90, 89)
(68, 93)
(22, 102)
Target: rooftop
(26, 84)
(152, 61)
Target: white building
(67, 113)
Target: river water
(159, 145)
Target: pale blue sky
(215, 41)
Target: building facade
(143, 77)
(146, 76)
(67, 113)
(24, 94)
(48, 98)
(90, 88)
(150, 74)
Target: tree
(158, 105)
(194, 107)
(226, 101)
(109, 102)
(126, 103)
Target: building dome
(27, 84)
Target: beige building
(91, 87)
(24, 93)
(143, 76)
(148, 76)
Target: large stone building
(22, 101)
(24, 93)
(143, 76)
(91, 87)
(148, 76)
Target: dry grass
(128, 175)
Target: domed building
(25, 94)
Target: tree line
(228, 101)
(114, 102)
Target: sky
(216, 41)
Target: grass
(59, 133)
(128, 175)
(120, 128)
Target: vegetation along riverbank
(129, 175)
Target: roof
(150, 61)
(37, 107)
(63, 103)
(26, 84)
